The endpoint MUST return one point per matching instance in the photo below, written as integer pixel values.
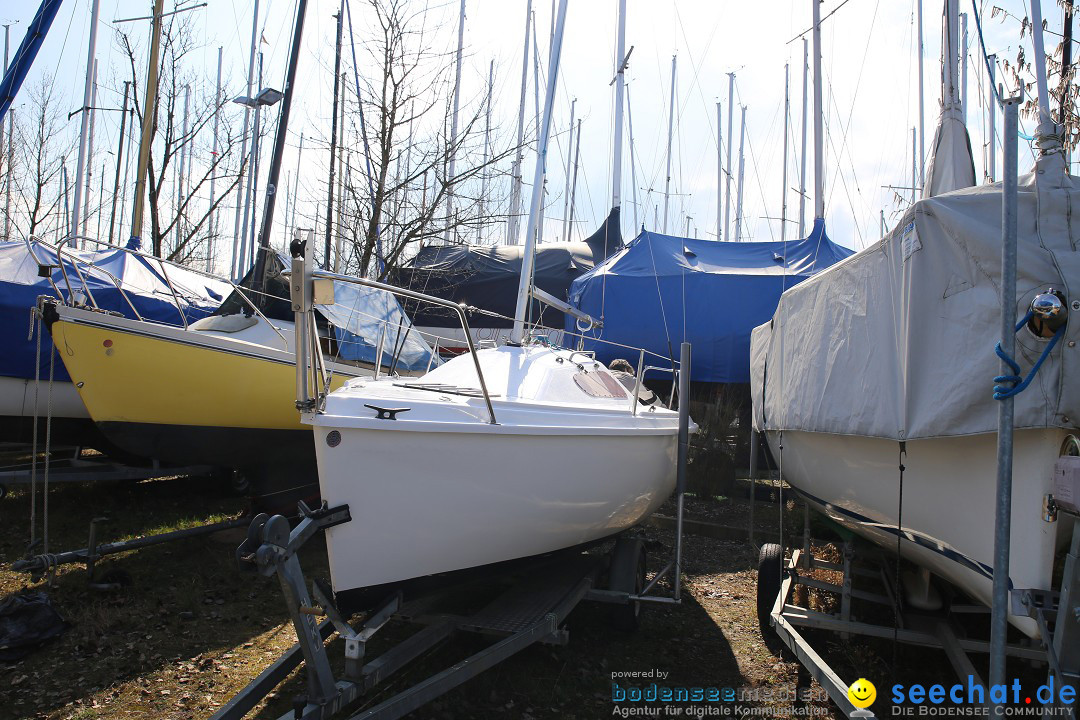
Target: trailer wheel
(627, 575)
(234, 483)
(770, 576)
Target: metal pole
(183, 159)
(525, 281)
(802, 162)
(245, 158)
(515, 172)
(633, 169)
(450, 174)
(89, 154)
(719, 172)
(119, 160)
(742, 167)
(253, 178)
(620, 86)
(670, 129)
(536, 120)
(755, 440)
(279, 149)
(573, 185)
(214, 165)
(914, 167)
(147, 127)
(127, 173)
(487, 150)
(342, 159)
(922, 112)
(819, 118)
(333, 140)
(1066, 67)
(101, 199)
(991, 106)
(963, 67)
(296, 184)
(1040, 69)
(88, 89)
(787, 113)
(999, 608)
(731, 136)
(10, 144)
(684, 446)
(569, 160)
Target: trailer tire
(770, 576)
(627, 575)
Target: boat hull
(182, 397)
(427, 502)
(947, 522)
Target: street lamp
(265, 98)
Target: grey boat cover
(897, 341)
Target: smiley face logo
(862, 693)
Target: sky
(870, 93)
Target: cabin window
(599, 384)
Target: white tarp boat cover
(951, 167)
(898, 340)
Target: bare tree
(400, 201)
(178, 229)
(41, 143)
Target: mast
(296, 183)
(633, 169)
(119, 160)
(719, 172)
(922, 112)
(620, 87)
(914, 167)
(819, 158)
(180, 184)
(569, 159)
(670, 125)
(245, 160)
(536, 120)
(87, 104)
(453, 126)
(252, 187)
(214, 166)
(90, 154)
(963, 67)
(525, 281)
(991, 105)
(342, 161)
(949, 53)
(787, 113)
(127, 173)
(10, 144)
(487, 148)
(515, 171)
(1066, 69)
(731, 136)
(333, 140)
(147, 127)
(742, 167)
(802, 161)
(279, 150)
(573, 185)
(1040, 72)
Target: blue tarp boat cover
(486, 276)
(661, 290)
(140, 277)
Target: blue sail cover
(24, 56)
(141, 278)
(661, 290)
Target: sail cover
(661, 290)
(94, 278)
(898, 341)
(486, 276)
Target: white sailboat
(462, 457)
(873, 382)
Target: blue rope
(1016, 384)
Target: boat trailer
(524, 613)
(1057, 614)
